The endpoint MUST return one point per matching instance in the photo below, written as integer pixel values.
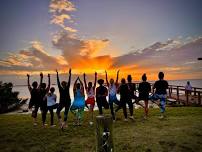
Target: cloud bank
(175, 58)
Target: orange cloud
(34, 58)
(80, 54)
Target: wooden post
(194, 91)
(178, 94)
(199, 98)
(169, 92)
(187, 97)
(104, 134)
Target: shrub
(8, 98)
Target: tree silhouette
(8, 98)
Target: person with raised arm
(101, 94)
(144, 89)
(42, 95)
(65, 100)
(34, 100)
(78, 105)
(51, 104)
(90, 91)
(112, 89)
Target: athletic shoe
(35, 124)
(52, 126)
(75, 123)
(131, 117)
(125, 119)
(91, 123)
(161, 117)
(145, 117)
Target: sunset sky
(135, 36)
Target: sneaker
(91, 123)
(125, 119)
(79, 124)
(145, 117)
(35, 124)
(131, 117)
(114, 121)
(161, 117)
(75, 123)
(52, 126)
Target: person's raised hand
(56, 71)
(49, 75)
(41, 75)
(28, 75)
(70, 71)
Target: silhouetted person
(125, 98)
(188, 88)
(65, 100)
(34, 100)
(43, 101)
(132, 87)
(78, 104)
(51, 104)
(161, 87)
(90, 91)
(144, 89)
(112, 89)
(101, 93)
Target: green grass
(181, 130)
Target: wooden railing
(180, 94)
(195, 92)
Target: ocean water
(20, 83)
(24, 92)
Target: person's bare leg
(34, 121)
(91, 114)
(146, 108)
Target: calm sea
(20, 83)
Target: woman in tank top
(90, 91)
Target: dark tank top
(34, 97)
(43, 101)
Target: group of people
(43, 97)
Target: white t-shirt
(51, 99)
(90, 93)
(188, 87)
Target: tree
(8, 98)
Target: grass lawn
(181, 131)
